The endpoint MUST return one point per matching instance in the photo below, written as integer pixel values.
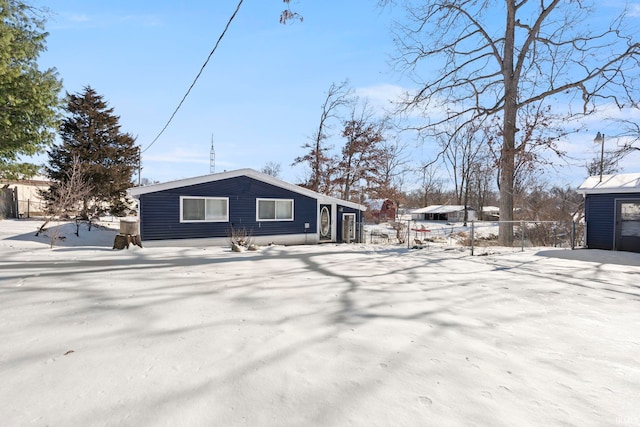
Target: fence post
(472, 235)
(16, 206)
(573, 235)
(408, 234)
(522, 236)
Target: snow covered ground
(324, 335)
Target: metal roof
(621, 183)
(490, 209)
(441, 209)
(251, 173)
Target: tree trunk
(347, 189)
(505, 236)
(466, 202)
(507, 158)
(317, 165)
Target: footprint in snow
(424, 400)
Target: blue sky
(261, 92)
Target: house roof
(621, 183)
(440, 209)
(490, 209)
(35, 180)
(251, 173)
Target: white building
(451, 213)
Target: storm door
(325, 222)
(349, 227)
(628, 225)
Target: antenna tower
(212, 158)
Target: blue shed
(612, 212)
(204, 210)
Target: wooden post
(472, 236)
(128, 235)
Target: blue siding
(600, 216)
(160, 211)
(342, 210)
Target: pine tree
(28, 96)
(107, 156)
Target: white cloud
(78, 18)
(381, 97)
(72, 20)
(142, 20)
(381, 93)
(634, 10)
(386, 98)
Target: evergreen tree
(28, 97)
(107, 156)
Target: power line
(197, 77)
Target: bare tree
(391, 166)
(317, 157)
(67, 195)
(272, 169)
(551, 211)
(148, 181)
(480, 183)
(463, 152)
(536, 148)
(460, 151)
(431, 185)
(630, 137)
(607, 164)
(499, 56)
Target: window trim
(205, 198)
(262, 199)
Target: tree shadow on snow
(595, 255)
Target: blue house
(612, 212)
(204, 210)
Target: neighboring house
(490, 213)
(21, 198)
(451, 213)
(387, 211)
(612, 212)
(205, 210)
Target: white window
(204, 209)
(274, 210)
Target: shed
(204, 210)
(452, 213)
(612, 212)
(388, 211)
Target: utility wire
(197, 77)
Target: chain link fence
(11, 208)
(477, 236)
(562, 234)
